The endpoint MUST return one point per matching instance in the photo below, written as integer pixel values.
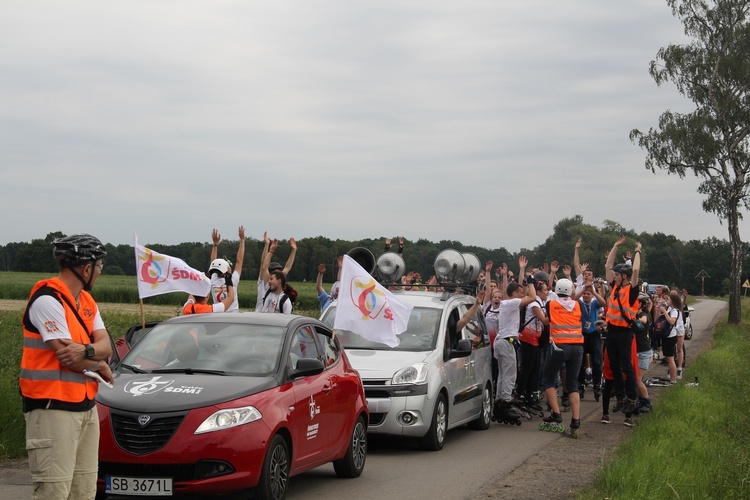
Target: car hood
(372, 364)
(158, 392)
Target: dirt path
(569, 465)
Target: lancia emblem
(143, 420)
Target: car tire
(353, 462)
(482, 423)
(435, 437)
(689, 331)
(274, 476)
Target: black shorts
(669, 347)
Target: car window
(331, 350)
(245, 349)
(303, 345)
(420, 335)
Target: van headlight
(414, 374)
(226, 419)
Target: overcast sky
(484, 122)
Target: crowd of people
(546, 334)
(565, 334)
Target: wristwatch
(89, 351)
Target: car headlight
(413, 374)
(226, 419)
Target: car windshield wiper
(133, 368)
(189, 371)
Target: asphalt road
(398, 469)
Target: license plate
(145, 486)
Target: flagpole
(143, 316)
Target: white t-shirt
(48, 316)
(271, 304)
(531, 321)
(678, 329)
(508, 319)
(219, 290)
(263, 287)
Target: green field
(123, 290)
(118, 299)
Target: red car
(212, 404)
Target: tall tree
(713, 71)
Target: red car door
(310, 415)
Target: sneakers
(679, 374)
(629, 422)
(605, 419)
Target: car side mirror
(462, 350)
(307, 367)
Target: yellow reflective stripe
(564, 326)
(61, 375)
(572, 336)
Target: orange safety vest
(195, 308)
(614, 315)
(42, 376)
(565, 326)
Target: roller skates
(597, 393)
(575, 424)
(504, 413)
(527, 406)
(520, 408)
(582, 390)
(552, 423)
(565, 402)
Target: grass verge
(696, 442)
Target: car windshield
(220, 348)
(420, 333)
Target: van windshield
(420, 334)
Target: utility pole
(702, 275)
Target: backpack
(282, 300)
(283, 297)
(660, 328)
(523, 323)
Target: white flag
(157, 273)
(367, 308)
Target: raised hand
(522, 262)
(321, 268)
(554, 267)
(488, 267)
(241, 232)
(293, 243)
(215, 236)
(579, 242)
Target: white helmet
(564, 287)
(220, 266)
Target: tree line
(666, 259)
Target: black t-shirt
(642, 341)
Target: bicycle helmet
(624, 269)
(274, 266)
(77, 249)
(220, 266)
(564, 287)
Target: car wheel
(435, 437)
(275, 473)
(689, 331)
(353, 462)
(482, 423)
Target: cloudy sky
(484, 122)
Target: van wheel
(435, 437)
(353, 462)
(482, 423)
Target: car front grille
(140, 439)
(178, 472)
